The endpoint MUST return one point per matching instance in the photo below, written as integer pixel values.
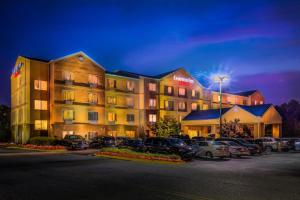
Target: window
(93, 98)
(40, 105)
(193, 93)
(261, 102)
(130, 134)
(205, 107)
(68, 76)
(169, 90)
(93, 79)
(181, 91)
(130, 85)
(111, 100)
(130, 117)
(152, 87)
(129, 102)
(169, 105)
(41, 125)
(40, 85)
(244, 102)
(255, 102)
(194, 106)
(152, 103)
(93, 116)
(69, 115)
(112, 83)
(68, 95)
(112, 117)
(152, 118)
(182, 106)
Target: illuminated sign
(16, 70)
(183, 81)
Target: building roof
(123, 73)
(245, 94)
(205, 114)
(159, 76)
(258, 110)
(37, 59)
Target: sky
(256, 42)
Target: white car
(236, 149)
(269, 144)
(211, 149)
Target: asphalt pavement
(83, 176)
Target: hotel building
(76, 95)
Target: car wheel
(208, 155)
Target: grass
(132, 152)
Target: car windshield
(232, 143)
(176, 141)
(217, 143)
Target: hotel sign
(183, 81)
(16, 70)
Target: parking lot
(78, 175)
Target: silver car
(236, 149)
(212, 149)
(269, 144)
(297, 145)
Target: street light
(220, 79)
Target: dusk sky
(257, 42)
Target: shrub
(41, 141)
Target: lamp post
(220, 79)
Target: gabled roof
(36, 59)
(258, 110)
(245, 94)
(123, 73)
(206, 114)
(159, 76)
(78, 53)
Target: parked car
(103, 141)
(212, 149)
(253, 148)
(236, 150)
(135, 144)
(120, 141)
(198, 138)
(269, 144)
(284, 144)
(297, 145)
(75, 142)
(168, 145)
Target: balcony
(68, 121)
(69, 82)
(69, 101)
(93, 85)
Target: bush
(42, 141)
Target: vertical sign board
(16, 70)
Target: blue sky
(256, 41)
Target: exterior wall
(229, 100)
(81, 68)
(256, 99)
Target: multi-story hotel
(76, 95)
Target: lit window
(219, 98)
(130, 117)
(40, 105)
(181, 106)
(255, 102)
(93, 98)
(152, 118)
(152, 87)
(41, 125)
(111, 100)
(112, 83)
(68, 95)
(112, 117)
(130, 134)
(205, 107)
(40, 85)
(152, 103)
(93, 79)
(93, 116)
(194, 106)
(181, 91)
(170, 90)
(169, 105)
(261, 102)
(130, 85)
(68, 76)
(129, 101)
(193, 93)
(69, 115)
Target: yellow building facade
(76, 95)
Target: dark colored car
(103, 141)
(198, 138)
(253, 148)
(121, 141)
(135, 144)
(75, 142)
(168, 146)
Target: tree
(166, 127)
(5, 132)
(232, 128)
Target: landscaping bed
(128, 154)
(39, 147)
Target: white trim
(77, 53)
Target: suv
(168, 145)
(268, 143)
(75, 142)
